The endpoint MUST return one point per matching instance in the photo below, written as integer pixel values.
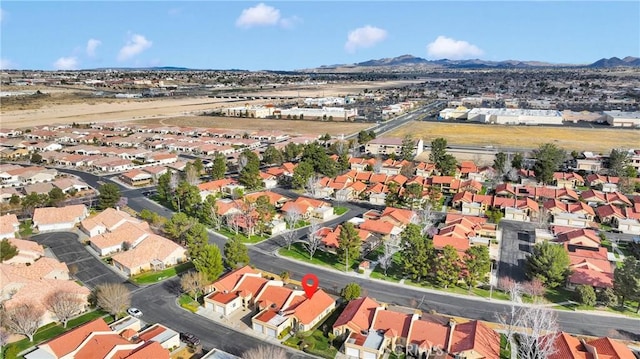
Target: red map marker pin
(310, 284)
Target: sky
(291, 35)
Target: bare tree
(424, 217)
(192, 283)
(242, 162)
(265, 352)
(65, 304)
(191, 175)
(215, 218)
(342, 195)
(537, 330)
(312, 186)
(113, 297)
(313, 239)
(23, 319)
(542, 218)
(377, 165)
(534, 287)
(232, 221)
(291, 219)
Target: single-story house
(153, 253)
(49, 219)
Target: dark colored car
(189, 339)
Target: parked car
(190, 339)
(134, 312)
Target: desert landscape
(526, 137)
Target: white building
(248, 111)
(512, 116)
(325, 113)
(388, 146)
(623, 119)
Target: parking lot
(86, 268)
(517, 239)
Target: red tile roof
(69, 341)
(612, 348)
(310, 309)
(476, 336)
(391, 320)
(358, 314)
(229, 281)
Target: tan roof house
(9, 225)
(106, 221)
(153, 253)
(28, 251)
(50, 219)
(128, 235)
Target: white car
(134, 312)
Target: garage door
(370, 355)
(271, 332)
(353, 353)
(257, 327)
(219, 309)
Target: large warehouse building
(513, 116)
(623, 119)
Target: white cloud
(363, 37)
(92, 45)
(447, 48)
(66, 63)
(6, 64)
(135, 45)
(264, 15)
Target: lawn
(187, 302)
(317, 340)
(339, 210)
(50, 331)
(156, 276)
(321, 258)
(247, 240)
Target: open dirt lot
(288, 126)
(527, 137)
(59, 106)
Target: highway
(263, 257)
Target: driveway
(517, 239)
(90, 270)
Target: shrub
(585, 295)
(607, 297)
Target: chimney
(117, 208)
(452, 328)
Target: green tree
(317, 156)
(209, 262)
(271, 155)
(626, 281)
(413, 194)
(365, 136)
(177, 227)
(235, 253)
(447, 270)
(325, 137)
(187, 199)
(7, 250)
(407, 150)
(109, 195)
(36, 158)
(301, 174)
(618, 160)
(500, 162)
(32, 201)
(494, 215)
(548, 157)
(517, 160)
(265, 211)
(164, 186)
(56, 196)
(196, 238)
(291, 151)
(199, 166)
(14, 200)
(478, 264)
(250, 172)
(417, 253)
(219, 167)
(348, 243)
(585, 295)
(438, 151)
(548, 262)
(351, 291)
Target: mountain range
(410, 61)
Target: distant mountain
(418, 63)
(628, 61)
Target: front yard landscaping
(50, 331)
(155, 276)
(243, 238)
(319, 341)
(321, 258)
(188, 303)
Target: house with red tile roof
(216, 186)
(309, 207)
(329, 238)
(428, 336)
(9, 225)
(152, 253)
(474, 339)
(589, 266)
(275, 199)
(235, 291)
(609, 214)
(608, 348)
(356, 317)
(166, 337)
(580, 237)
(136, 178)
(568, 179)
(48, 219)
(95, 339)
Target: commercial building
(388, 146)
(623, 119)
(324, 113)
(512, 116)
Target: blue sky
(292, 35)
